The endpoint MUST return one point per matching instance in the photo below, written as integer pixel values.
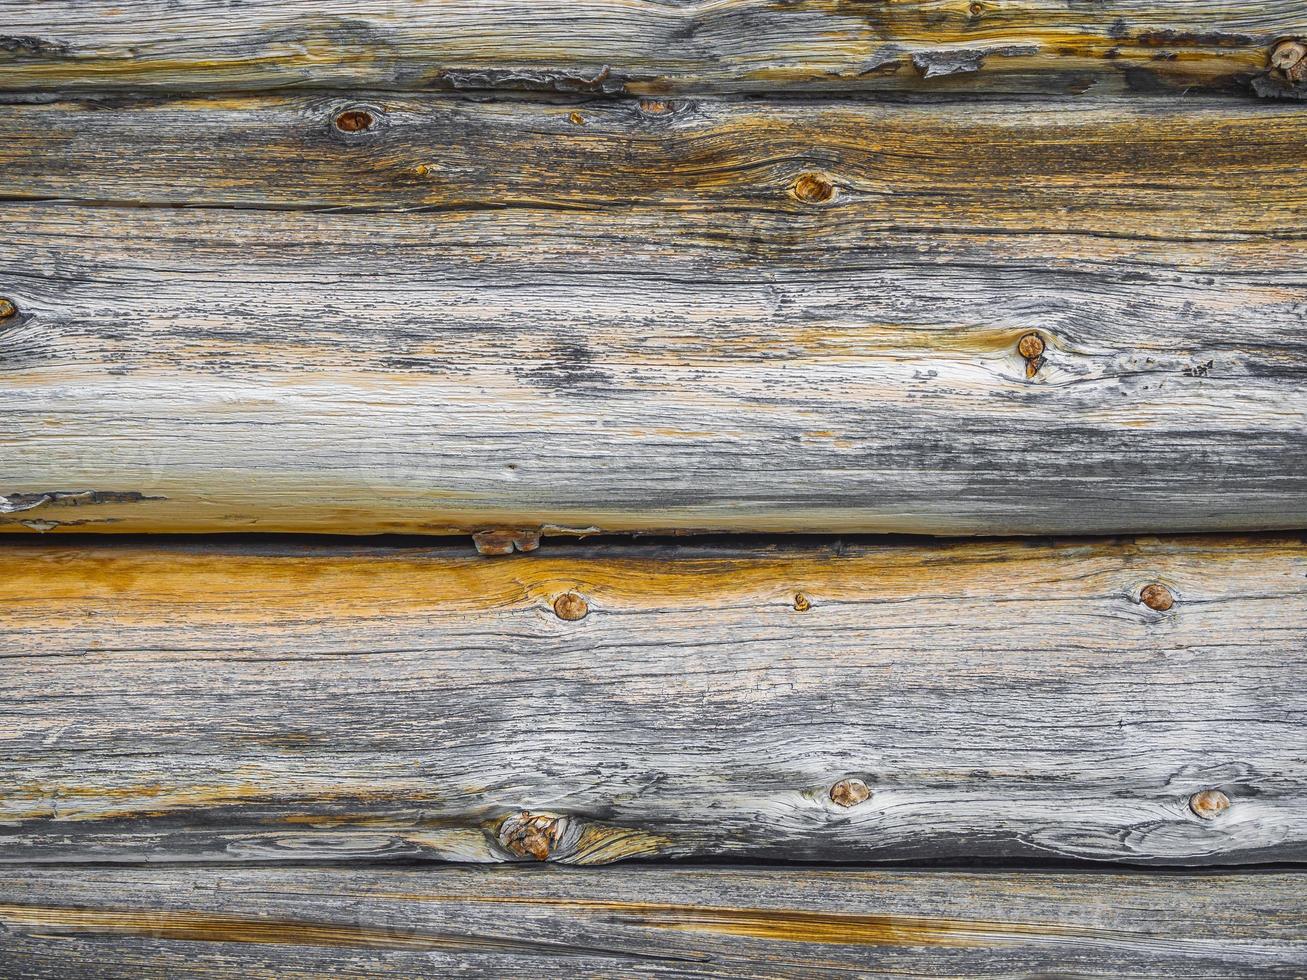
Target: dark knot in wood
(1209, 804)
(533, 835)
(1031, 347)
(354, 120)
(813, 189)
(571, 606)
(850, 792)
(1290, 59)
(1157, 597)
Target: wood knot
(504, 541)
(1290, 59)
(533, 835)
(571, 606)
(7, 308)
(1031, 347)
(655, 107)
(1209, 804)
(850, 792)
(801, 602)
(354, 120)
(576, 119)
(1157, 597)
(813, 188)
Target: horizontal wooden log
(690, 334)
(1135, 701)
(680, 333)
(1166, 168)
(609, 46)
(683, 922)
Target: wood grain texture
(639, 324)
(270, 702)
(685, 922)
(1172, 168)
(634, 322)
(610, 46)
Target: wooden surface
(684, 922)
(269, 701)
(609, 46)
(635, 322)
(559, 268)
(1172, 168)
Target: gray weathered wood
(648, 368)
(1167, 167)
(684, 922)
(625, 317)
(609, 46)
(271, 702)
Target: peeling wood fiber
(610, 46)
(272, 702)
(690, 315)
(688, 922)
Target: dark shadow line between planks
(672, 865)
(634, 544)
(1201, 237)
(1238, 87)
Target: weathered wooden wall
(264, 702)
(691, 922)
(613, 47)
(783, 316)
(1004, 267)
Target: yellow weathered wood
(586, 704)
(614, 46)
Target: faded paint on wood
(273, 702)
(684, 922)
(608, 46)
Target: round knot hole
(813, 189)
(354, 121)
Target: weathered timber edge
(683, 921)
(606, 47)
(1123, 701)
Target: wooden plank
(597, 702)
(1164, 168)
(612, 46)
(586, 355)
(724, 356)
(684, 922)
